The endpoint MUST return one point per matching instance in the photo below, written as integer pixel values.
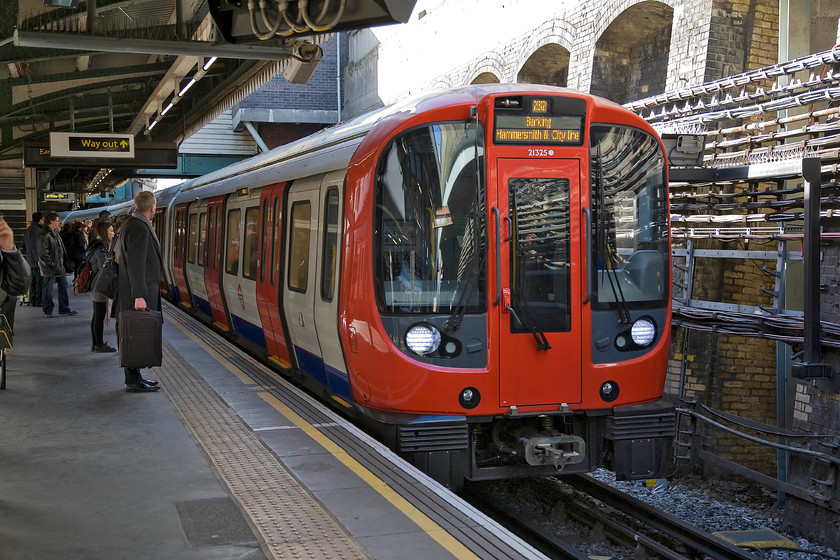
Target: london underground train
(479, 276)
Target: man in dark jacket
(31, 241)
(14, 272)
(139, 279)
(51, 263)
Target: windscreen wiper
(539, 336)
(604, 252)
(454, 321)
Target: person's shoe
(141, 387)
(106, 348)
(151, 382)
(68, 312)
(48, 315)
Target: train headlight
(643, 332)
(422, 339)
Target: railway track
(605, 514)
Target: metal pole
(810, 367)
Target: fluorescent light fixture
(186, 87)
(209, 63)
(61, 3)
(152, 124)
(167, 108)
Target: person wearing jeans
(51, 264)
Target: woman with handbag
(97, 254)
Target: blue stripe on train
(202, 306)
(249, 331)
(314, 366)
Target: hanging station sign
(92, 145)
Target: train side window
(232, 243)
(202, 237)
(301, 217)
(210, 259)
(193, 238)
(330, 252)
(249, 265)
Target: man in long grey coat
(139, 278)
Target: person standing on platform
(77, 246)
(31, 241)
(139, 279)
(51, 259)
(96, 254)
(14, 273)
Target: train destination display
(535, 124)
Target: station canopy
(156, 70)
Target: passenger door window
(301, 217)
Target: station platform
(227, 461)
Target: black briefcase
(140, 338)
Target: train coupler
(557, 451)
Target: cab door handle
(498, 219)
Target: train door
(240, 267)
(540, 308)
(196, 252)
(268, 276)
(179, 257)
(213, 262)
(159, 225)
(300, 273)
(326, 286)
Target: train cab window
(428, 237)
(202, 237)
(630, 228)
(193, 238)
(330, 251)
(232, 241)
(301, 217)
(541, 264)
(249, 249)
(265, 238)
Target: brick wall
(743, 35)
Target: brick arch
(627, 64)
(615, 9)
(486, 78)
(488, 63)
(548, 65)
(546, 57)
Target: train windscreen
(629, 199)
(427, 206)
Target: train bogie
(481, 277)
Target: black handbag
(107, 279)
(141, 343)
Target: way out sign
(91, 145)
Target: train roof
(332, 148)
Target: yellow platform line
(435, 531)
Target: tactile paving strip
(290, 521)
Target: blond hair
(144, 201)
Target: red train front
(505, 295)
